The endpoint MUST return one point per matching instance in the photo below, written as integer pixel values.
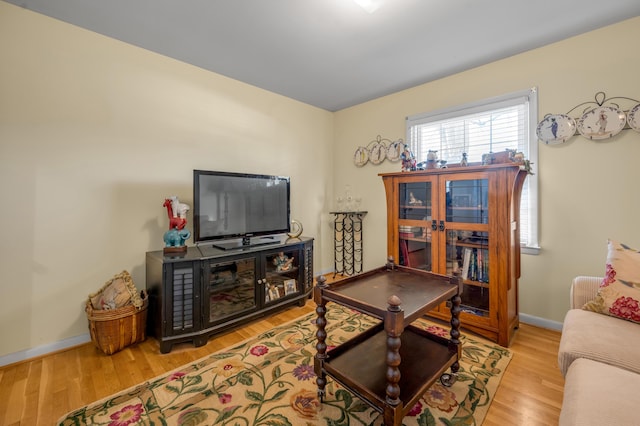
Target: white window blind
(492, 125)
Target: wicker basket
(114, 330)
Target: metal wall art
(378, 150)
(601, 119)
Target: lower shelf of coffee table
(360, 364)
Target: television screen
(233, 205)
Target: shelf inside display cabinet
(292, 270)
(475, 300)
(414, 206)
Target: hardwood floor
(39, 391)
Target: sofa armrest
(583, 290)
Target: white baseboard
(60, 345)
(44, 349)
(84, 338)
(540, 322)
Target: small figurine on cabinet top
(176, 236)
(464, 161)
(408, 160)
(526, 166)
(432, 159)
(282, 262)
(518, 157)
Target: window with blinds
(492, 125)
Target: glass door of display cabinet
(467, 253)
(467, 241)
(282, 275)
(415, 204)
(231, 288)
(467, 201)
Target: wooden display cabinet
(466, 220)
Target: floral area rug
(269, 380)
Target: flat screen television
(230, 209)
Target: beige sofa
(599, 356)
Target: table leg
(449, 379)
(321, 336)
(394, 326)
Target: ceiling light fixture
(369, 5)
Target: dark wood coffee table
(391, 365)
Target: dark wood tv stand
(402, 360)
(206, 290)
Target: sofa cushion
(599, 394)
(599, 337)
(619, 292)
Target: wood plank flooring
(39, 391)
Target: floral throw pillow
(619, 293)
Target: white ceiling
(331, 53)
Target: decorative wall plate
(602, 122)
(377, 153)
(556, 128)
(394, 150)
(633, 118)
(361, 156)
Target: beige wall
(587, 188)
(94, 134)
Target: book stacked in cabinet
(462, 220)
(208, 290)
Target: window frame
(528, 97)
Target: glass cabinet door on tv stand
(462, 220)
(231, 288)
(262, 279)
(282, 275)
